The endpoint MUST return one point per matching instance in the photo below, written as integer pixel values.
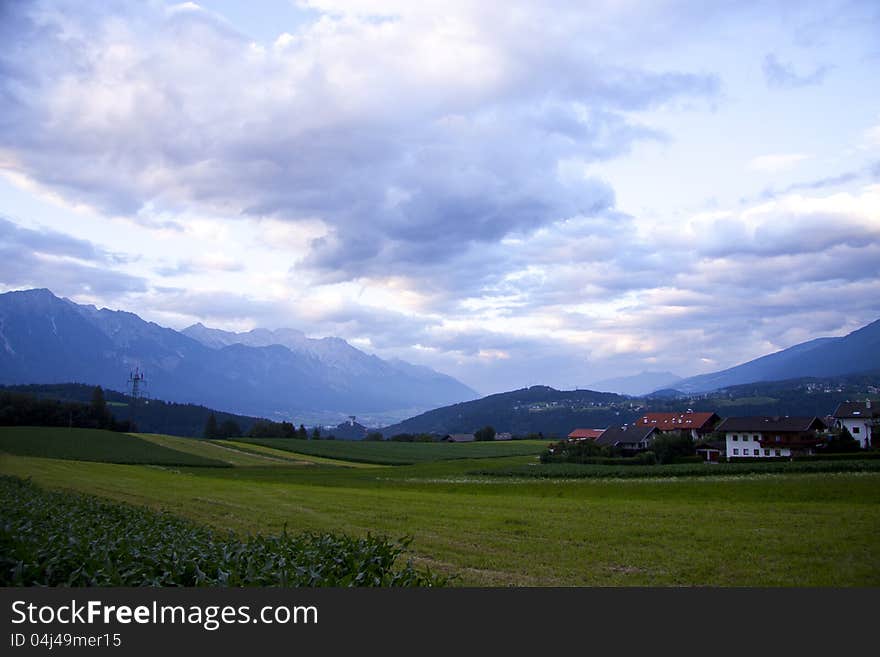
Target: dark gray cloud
(70, 266)
(119, 114)
(53, 243)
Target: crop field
(400, 453)
(96, 445)
(738, 529)
(110, 544)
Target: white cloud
(872, 136)
(777, 162)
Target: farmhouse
(697, 424)
(630, 438)
(762, 436)
(585, 434)
(504, 435)
(460, 438)
(861, 419)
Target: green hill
(526, 411)
(150, 415)
(556, 412)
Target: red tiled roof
(673, 421)
(585, 434)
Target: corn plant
(62, 539)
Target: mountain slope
(529, 410)
(857, 352)
(638, 384)
(44, 339)
(342, 362)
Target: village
(732, 438)
(752, 437)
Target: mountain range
(283, 374)
(278, 374)
(856, 352)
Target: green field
(96, 445)
(797, 529)
(400, 453)
(112, 544)
(217, 450)
(288, 456)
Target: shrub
(668, 447)
(484, 434)
(753, 466)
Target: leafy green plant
(62, 539)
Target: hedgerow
(577, 470)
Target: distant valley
(279, 375)
(284, 375)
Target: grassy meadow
(773, 529)
(97, 445)
(400, 453)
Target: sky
(513, 193)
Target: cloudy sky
(510, 192)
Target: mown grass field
(814, 529)
(96, 445)
(287, 455)
(399, 453)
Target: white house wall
(747, 444)
(860, 429)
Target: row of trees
(22, 409)
(666, 448)
(260, 429)
(486, 433)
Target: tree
(301, 433)
(374, 436)
(229, 429)
(99, 408)
(486, 433)
(669, 446)
(316, 434)
(841, 442)
(210, 428)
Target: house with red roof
(585, 434)
(697, 424)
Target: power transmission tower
(135, 384)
